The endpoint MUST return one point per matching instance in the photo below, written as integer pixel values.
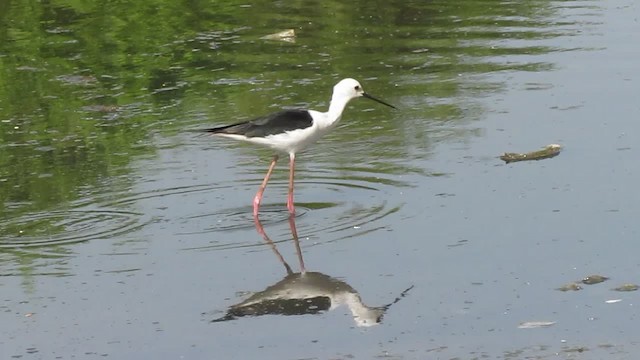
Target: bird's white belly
(290, 141)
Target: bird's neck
(338, 103)
(362, 314)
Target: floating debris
(574, 286)
(81, 80)
(626, 287)
(286, 35)
(547, 152)
(594, 279)
(535, 324)
(613, 301)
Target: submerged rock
(627, 287)
(594, 279)
(574, 286)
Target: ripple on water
(241, 218)
(341, 207)
(347, 207)
(65, 227)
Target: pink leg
(296, 241)
(266, 238)
(292, 165)
(258, 198)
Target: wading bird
(290, 131)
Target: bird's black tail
(239, 129)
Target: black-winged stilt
(290, 131)
(305, 292)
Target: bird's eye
(357, 87)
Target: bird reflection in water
(305, 292)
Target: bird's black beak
(377, 100)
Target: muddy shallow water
(124, 236)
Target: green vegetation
(83, 85)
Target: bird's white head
(348, 89)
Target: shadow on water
(304, 292)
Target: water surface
(123, 235)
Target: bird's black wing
(276, 123)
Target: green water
(85, 86)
